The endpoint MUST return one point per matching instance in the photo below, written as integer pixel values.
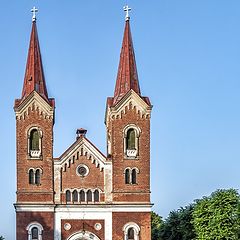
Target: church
(84, 193)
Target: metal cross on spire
(34, 10)
(127, 9)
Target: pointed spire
(34, 75)
(127, 77)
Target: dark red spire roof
(127, 77)
(34, 76)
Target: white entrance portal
(83, 235)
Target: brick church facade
(83, 194)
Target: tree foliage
(178, 225)
(2, 238)
(157, 222)
(217, 216)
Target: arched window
(131, 134)
(96, 196)
(131, 231)
(35, 233)
(37, 177)
(31, 176)
(82, 196)
(68, 196)
(89, 196)
(75, 196)
(127, 176)
(134, 176)
(130, 234)
(34, 140)
(130, 141)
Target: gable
(82, 147)
(34, 102)
(130, 100)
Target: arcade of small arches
(82, 196)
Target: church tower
(128, 143)
(34, 132)
(83, 193)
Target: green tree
(2, 238)
(217, 216)
(156, 223)
(178, 225)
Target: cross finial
(127, 9)
(34, 10)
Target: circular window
(82, 170)
(98, 226)
(67, 226)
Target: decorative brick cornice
(82, 147)
(34, 102)
(130, 101)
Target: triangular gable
(130, 100)
(34, 101)
(82, 147)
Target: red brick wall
(44, 218)
(94, 179)
(116, 127)
(77, 226)
(143, 220)
(34, 119)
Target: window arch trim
(131, 153)
(135, 227)
(36, 225)
(35, 154)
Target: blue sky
(188, 58)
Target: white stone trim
(85, 166)
(88, 148)
(85, 234)
(103, 208)
(35, 101)
(31, 226)
(35, 154)
(129, 100)
(135, 227)
(83, 213)
(34, 208)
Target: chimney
(81, 132)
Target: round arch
(83, 235)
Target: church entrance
(83, 236)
